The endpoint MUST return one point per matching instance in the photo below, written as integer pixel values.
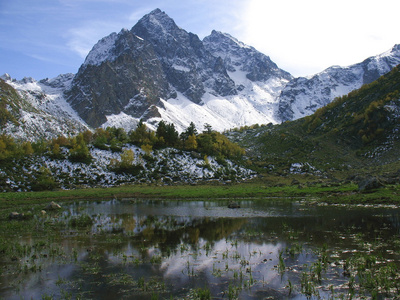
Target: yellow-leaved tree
(127, 163)
(191, 142)
(79, 151)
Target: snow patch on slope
(323, 88)
(304, 95)
(101, 51)
(254, 104)
(122, 120)
(46, 112)
(166, 166)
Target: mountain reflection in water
(142, 249)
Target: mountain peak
(156, 22)
(238, 56)
(222, 37)
(101, 50)
(396, 48)
(5, 77)
(156, 12)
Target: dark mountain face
(132, 70)
(130, 79)
(237, 56)
(190, 68)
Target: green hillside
(355, 134)
(9, 104)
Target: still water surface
(177, 249)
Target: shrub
(44, 181)
(79, 151)
(126, 165)
(81, 221)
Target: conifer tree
(191, 130)
(207, 128)
(101, 138)
(168, 134)
(140, 134)
(56, 151)
(8, 147)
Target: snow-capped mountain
(40, 109)
(240, 58)
(158, 70)
(303, 96)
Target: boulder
(295, 182)
(233, 204)
(16, 216)
(369, 184)
(53, 206)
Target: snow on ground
(165, 166)
(122, 120)
(254, 104)
(47, 94)
(52, 115)
(308, 100)
(45, 112)
(102, 50)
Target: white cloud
(307, 36)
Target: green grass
(353, 135)
(346, 193)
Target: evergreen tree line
(208, 142)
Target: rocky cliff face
(130, 71)
(238, 57)
(121, 73)
(135, 71)
(303, 96)
(188, 66)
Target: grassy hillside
(355, 134)
(9, 103)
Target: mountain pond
(147, 249)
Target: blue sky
(45, 38)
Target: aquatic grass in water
(81, 221)
(203, 249)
